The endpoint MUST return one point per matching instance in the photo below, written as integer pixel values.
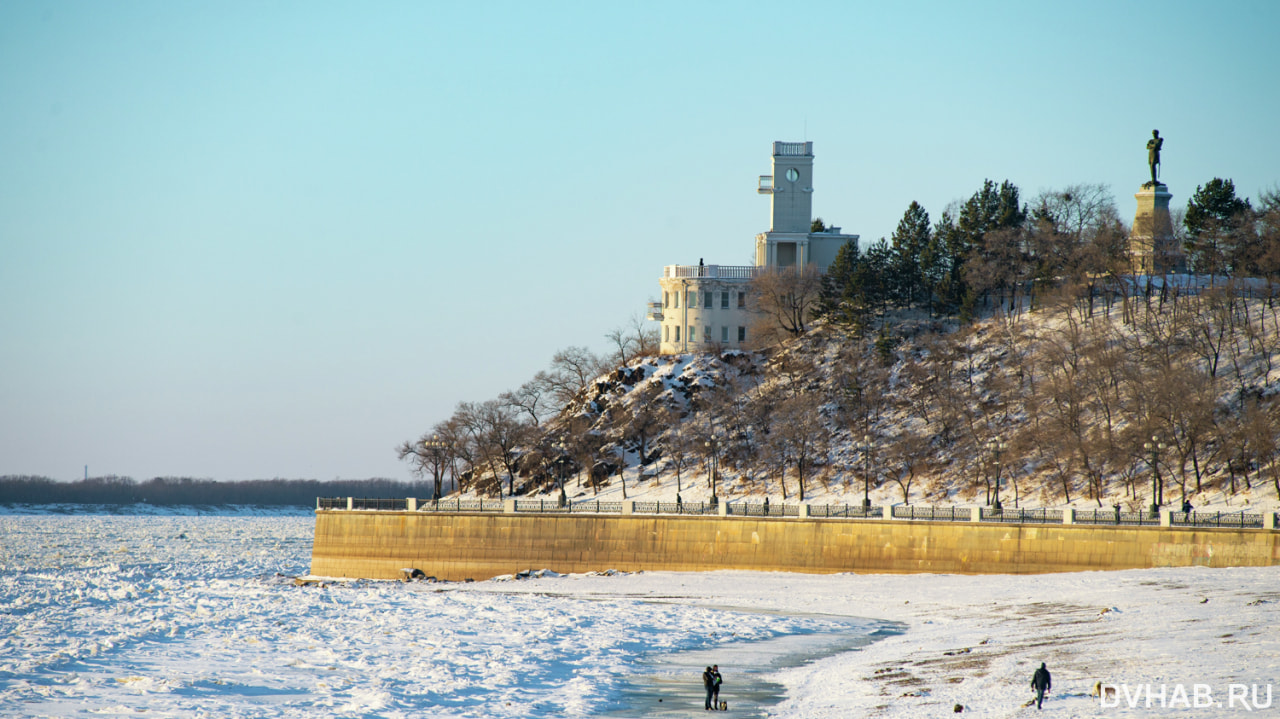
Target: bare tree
(432, 455)
(800, 430)
(784, 300)
(646, 335)
(533, 398)
(905, 458)
(572, 369)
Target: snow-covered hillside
(1065, 406)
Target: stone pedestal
(1152, 248)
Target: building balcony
(793, 149)
(655, 312)
(713, 272)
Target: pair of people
(711, 681)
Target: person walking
(715, 687)
(709, 683)
(1041, 683)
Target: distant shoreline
(143, 509)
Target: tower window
(677, 300)
(666, 299)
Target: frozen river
(199, 616)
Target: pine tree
(841, 300)
(909, 242)
(1218, 239)
(991, 208)
(938, 260)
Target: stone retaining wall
(380, 544)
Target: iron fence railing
(764, 509)
(392, 504)
(460, 505)
(1116, 517)
(542, 505)
(687, 508)
(849, 511)
(1235, 520)
(1021, 516)
(1100, 517)
(933, 514)
(597, 507)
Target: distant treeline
(177, 491)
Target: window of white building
(677, 339)
(724, 301)
(706, 332)
(666, 333)
(724, 331)
(742, 334)
(666, 299)
(692, 300)
(693, 333)
(742, 300)
(707, 297)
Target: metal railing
(761, 509)
(1101, 517)
(392, 504)
(1022, 516)
(848, 511)
(1117, 518)
(1234, 520)
(460, 505)
(933, 514)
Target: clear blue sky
(250, 240)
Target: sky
(243, 240)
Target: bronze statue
(1153, 154)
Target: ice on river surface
(199, 616)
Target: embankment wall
(458, 546)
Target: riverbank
(976, 640)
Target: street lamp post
(560, 462)
(1155, 447)
(996, 447)
(715, 461)
(866, 445)
(435, 448)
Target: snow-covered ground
(199, 616)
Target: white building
(707, 307)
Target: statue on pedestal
(1153, 155)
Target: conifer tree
(1218, 239)
(909, 242)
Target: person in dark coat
(709, 683)
(715, 688)
(1041, 683)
